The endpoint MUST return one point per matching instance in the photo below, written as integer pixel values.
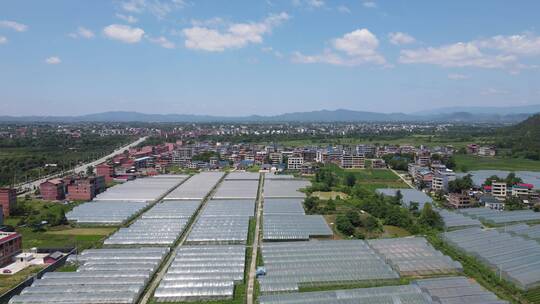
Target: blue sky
(69, 57)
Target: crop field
(471, 162)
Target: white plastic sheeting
(295, 227)
(404, 294)
(120, 277)
(105, 212)
(223, 222)
(414, 256)
(240, 175)
(409, 196)
(202, 273)
(280, 188)
(196, 187)
(512, 257)
(290, 265)
(143, 190)
(276, 206)
(454, 220)
(496, 217)
(237, 189)
(452, 290)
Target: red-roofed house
(522, 190)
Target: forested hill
(523, 138)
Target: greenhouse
(223, 222)
(414, 256)
(289, 188)
(524, 230)
(409, 196)
(274, 206)
(237, 189)
(290, 265)
(238, 175)
(451, 290)
(105, 212)
(295, 227)
(172, 209)
(148, 189)
(404, 294)
(454, 220)
(120, 277)
(268, 176)
(513, 258)
(202, 273)
(196, 187)
(496, 217)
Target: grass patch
(7, 282)
(329, 195)
(394, 231)
(102, 231)
(54, 239)
(472, 162)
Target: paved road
(82, 168)
(403, 178)
(255, 247)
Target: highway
(82, 168)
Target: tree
(90, 170)
(414, 207)
(350, 180)
(512, 179)
(372, 224)
(354, 218)
(489, 181)
(450, 163)
(430, 218)
(311, 203)
(513, 203)
(344, 225)
(460, 184)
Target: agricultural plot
(105, 276)
(414, 257)
(454, 220)
(242, 176)
(162, 225)
(275, 188)
(196, 187)
(513, 258)
(495, 217)
(237, 189)
(141, 190)
(449, 290)
(293, 227)
(105, 212)
(201, 273)
(286, 206)
(291, 265)
(524, 230)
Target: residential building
(105, 170)
(276, 158)
(367, 150)
(499, 190)
(487, 151)
(423, 159)
(424, 178)
(441, 178)
(8, 200)
(353, 161)
(491, 202)
(86, 189)
(52, 190)
(10, 246)
(459, 200)
(378, 163)
(295, 163)
(472, 149)
(522, 190)
(182, 155)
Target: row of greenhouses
(291, 265)
(148, 189)
(196, 187)
(284, 188)
(524, 230)
(457, 290)
(512, 257)
(497, 217)
(223, 222)
(414, 256)
(105, 212)
(295, 227)
(283, 206)
(104, 276)
(241, 175)
(237, 189)
(455, 220)
(202, 273)
(162, 225)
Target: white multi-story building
(441, 178)
(499, 190)
(295, 162)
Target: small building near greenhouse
(53, 257)
(8, 199)
(499, 190)
(52, 190)
(460, 200)
(10, 246)
(491, 202)
(522, 190)
(86, 189)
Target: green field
(471, 162)
(7, 282)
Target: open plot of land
(8, 282)
(329, 195)
(83, 231)
(81, 239)
(471, 162)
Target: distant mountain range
(476, 114)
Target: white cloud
(235, 36)
(3, 40)
(315, 3)
(369, 4)
(270, 50)
(53, 60)
(158, 8)
(526, 44)
(124, 33)
(354, 48)
(399, 38)
(127, 18)
(458, 76)
(163, 42)
(82, 32)
(18, 27)
(343, 9)
(457, 55)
